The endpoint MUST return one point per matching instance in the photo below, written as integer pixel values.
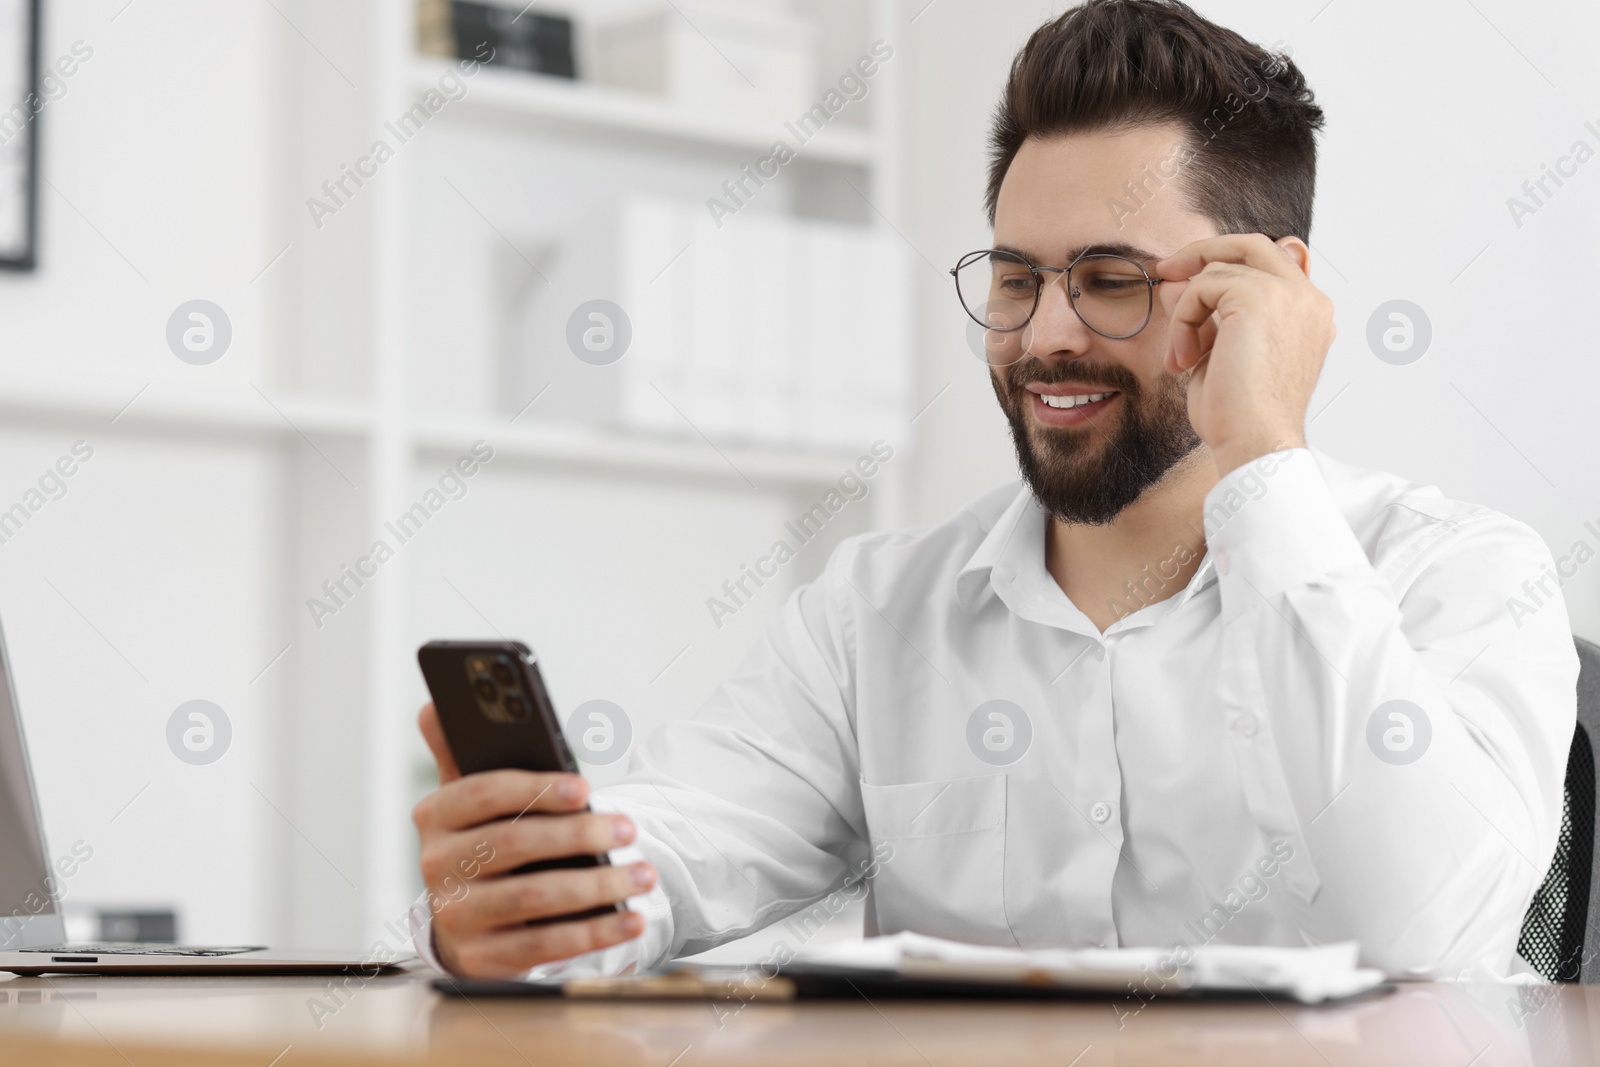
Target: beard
(1087, 475)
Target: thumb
(433, 733)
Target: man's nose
(1056, 328)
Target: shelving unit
(223, 496)
(402, 441)
(590, 450)
(251, 414)
(228, 411)
(539, 100)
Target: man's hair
(1117, 64)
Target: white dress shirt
(1223, 765)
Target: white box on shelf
(772, 330)
(719, 290)
(655, 238)
(635, 255)
(830, 330)
(767, 252)
(856, 328)
(886, 366)
(543, 283)
(749, 62)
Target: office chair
(1561, 931)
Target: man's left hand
(1247, 321)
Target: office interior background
(373, 332)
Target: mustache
(1112, 376)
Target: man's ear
(1297, 252)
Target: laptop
(32, 934)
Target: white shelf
(230, 409)
(764, 468)
(585, 106)
(238, 409)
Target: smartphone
(496, 714)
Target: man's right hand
(476, 829)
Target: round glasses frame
(1072, 291)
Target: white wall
(151, 582)
(153, 172)
(142, 588)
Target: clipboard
(810, 981)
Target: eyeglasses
(1112, 295)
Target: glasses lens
(1111, 295)
(999, 293)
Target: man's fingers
(479, 798)
(504, 953)
(1202, 297)
(506, 844)
(551, 837)
(1205, 338)
(546, 894)
(1170, 294)
(1249, 249)
(1208, 335)
(433, 733)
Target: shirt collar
(976, 575)
(1012, 553)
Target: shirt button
(1100, 812)
(1245, 725)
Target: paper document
(1308, 975)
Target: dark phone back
(496, 714)
(479, 743)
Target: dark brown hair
(1115, 64)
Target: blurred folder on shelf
(500, 35)
(748, 59)
(768, 330)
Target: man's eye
(1112, 284)
(1017, 285)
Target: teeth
(1073, 401)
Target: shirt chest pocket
(943, 870)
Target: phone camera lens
(486, 689)
(502, 672)
(516, 705)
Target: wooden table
(297, 1022)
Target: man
(1193, 682)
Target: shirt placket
(1075, 800)
(1098, 788)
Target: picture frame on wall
(20, 104)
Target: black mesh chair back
(1565, 914)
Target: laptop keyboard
(134, 948)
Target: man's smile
(1062, 404)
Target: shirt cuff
(1274, 524)
(420, 920)
(630, 957)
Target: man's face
(1086, 464)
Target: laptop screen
(24, 891)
